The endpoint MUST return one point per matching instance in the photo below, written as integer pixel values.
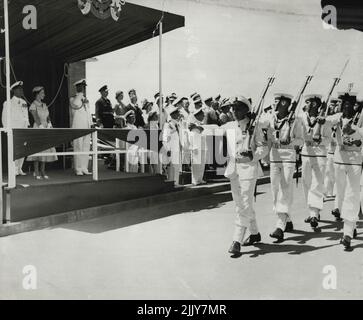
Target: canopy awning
(64, 33)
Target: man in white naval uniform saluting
(81, 119)
(19, 117)
(243, 169)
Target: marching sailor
(314, 155)
(81, 119)
(329, 181)
(243, 169)
(348, 165)
(19, 117)
(283, 158)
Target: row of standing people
(331, 153)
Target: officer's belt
(240, 160)
(277, 145)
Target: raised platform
(66, 192)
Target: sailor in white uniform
(243, 169)
(19, 117)
(81, 119)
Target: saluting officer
(348, 165)
(81, 119)
(243, 169)
(283, 158)
(19, 117)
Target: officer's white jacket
(310, 147)
(280, 153)
(346, 155)
(81, 115)
(235, 139)
(171, 140)
(19, 113)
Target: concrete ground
(179, 251)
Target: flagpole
(161, 100)
(11, 165)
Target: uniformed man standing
(314, 155)
(283, 158)
(348, 166)
(81, 119)
(198, 148)
(243, 169)
(19, 117)
(104, 110)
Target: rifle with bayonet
(286, 138)
(255, 117)
(317, 133)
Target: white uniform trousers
(81, 161)
(174, 170)
(313, 170)
(243, 195)
(282, 191)
(19, 165)
(329, 181)
(347, 179)
(198, 165)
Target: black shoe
(252, 239)
(314, 222)
(307, 220)
(336, 214)
(355, 234)
(345, 241)
(278, 234)
(235, 248)
(289, 226)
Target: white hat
(177, 101)
(283, 95)
(17, 84)
(244, 100)
(82, 81)
(312, 96)
(129, 113)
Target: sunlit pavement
(179, 251)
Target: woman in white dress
(40, 113)
(132, 156)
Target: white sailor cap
(129, 114)
(198, 111)
(313, 96)
(17, 84)
(283, 95)
(241, 99)
(208, 99)
(80, 82)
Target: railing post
(95, 156)
(118, 163)
(127, 159)
(2, 218)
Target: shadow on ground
(133, 217)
